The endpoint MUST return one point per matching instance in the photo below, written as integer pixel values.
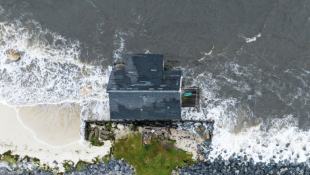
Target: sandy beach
(51, 134)
(55, 125)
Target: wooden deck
(190, 97)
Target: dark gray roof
(144, 72)
(149, 105)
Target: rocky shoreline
(113, 167)
(110, 168)
(233, 166)
(240, 167)
(236, 164)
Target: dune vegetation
(160, 157)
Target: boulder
(91, 135)
(104, 132)
(208, 136)
(200, 128)
(96, 132)
(104, 137)
(117, 167)
(14, 57)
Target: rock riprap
(237, 165)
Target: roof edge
(141, 91)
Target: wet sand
(55, 125)
(15, 136)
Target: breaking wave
(50, 72)
(238, 130)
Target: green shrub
(8, 157)
(134, 128)
(67, 167)
(108, 126)
(95, 142)
(106, 158)
(80, 165)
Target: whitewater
(51, 73)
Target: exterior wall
(145, 105)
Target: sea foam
(47, 72)
(277, 138)
(50, 72)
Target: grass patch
(46, 167)
(106, 158)
(154, 160)
(108, 126)
(95, 142)
(134, 128)
(8, 157)
(36, 160)
(80, 165)
(67, 167)
(171, 142)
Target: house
(142, 90)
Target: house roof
(145, 106)
(144, 72)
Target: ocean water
(250, 59)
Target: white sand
(55, 125)
(18, 137)
(186, 141)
